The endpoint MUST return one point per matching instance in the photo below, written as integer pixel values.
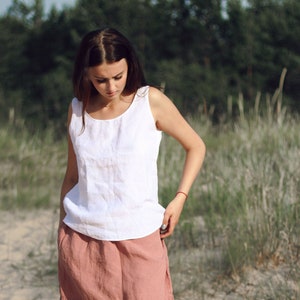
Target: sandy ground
(28, 255)
(28, 266)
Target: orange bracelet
(179, 192)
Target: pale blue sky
(5, 4)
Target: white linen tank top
(116, 197)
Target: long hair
(99, 46)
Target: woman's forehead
(108, 70)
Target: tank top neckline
(117, 117)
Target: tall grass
(252, 196)
(32, 167)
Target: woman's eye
(100, 80)
(118, 78)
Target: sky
(5, 4)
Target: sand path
(28, 255)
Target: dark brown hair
(99, 46)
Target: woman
(112, 227)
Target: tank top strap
(77, 107)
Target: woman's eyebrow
(100, 77)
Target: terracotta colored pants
(90, 269)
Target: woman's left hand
(172, 215)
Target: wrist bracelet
(180, 192)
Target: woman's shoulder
(75, 101)
(149, 89)
(75, 106)
(160, 104)
(155, 92)
(157, 98)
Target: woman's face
(109, 79)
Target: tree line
(200, 51)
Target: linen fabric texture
(116, 197)
(91, 269)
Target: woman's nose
(109, 85)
